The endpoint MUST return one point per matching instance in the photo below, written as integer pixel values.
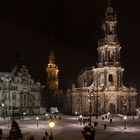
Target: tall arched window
(110, 78)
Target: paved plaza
(69, 128)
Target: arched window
(110, 78)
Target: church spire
(109, 25)
(109, 13)
(109, 3)
(52, 57)
(109, 48)
(19, 57)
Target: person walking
(104, 126)
(31, 138)
(51, 136)
(1, 134)
(44, 138)
(46, 134)
(111, 120)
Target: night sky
(72, 29)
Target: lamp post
(139, 114)
(97, 105)
(23, 114)
(51, 125)
(3, 110)
(108, 114)
(37, 118)
(133, 107)
(90, 110)
(2, 104)
(46, 116)
(80, 119)
(125, 118)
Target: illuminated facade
(19, 92)
(103, 86)
(52, 74)
(53, 94)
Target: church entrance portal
(111, 108)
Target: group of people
(88, 132)
(83, 120)
(46, 137)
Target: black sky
(72, 29)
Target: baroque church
(101, 89)
(19, 92)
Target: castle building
(19, 93)
(103, 86)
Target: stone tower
(52, 74)
(109, 52)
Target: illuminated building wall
(19, 92)
(105, 82)
(52, 74)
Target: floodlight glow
(2, 104)
(51, 124)
(125, 117)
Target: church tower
(52, 74)
(109, 52)
(109, 47)
(105, 82)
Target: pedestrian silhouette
(1, 134)
(43, 138)
(111, 120)
(104, 126)
(59, 117)
(46, 134)
(51, 137)
(31, 138)
(84, 121)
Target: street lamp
(76, 113)
(3, 110)
(80, 119)
(90, 95)
(51, 125)
(108, 114)
(139, 114)
(37, 118)
(23, 114)
(46, 116)
(125, 118)
(2, 104)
